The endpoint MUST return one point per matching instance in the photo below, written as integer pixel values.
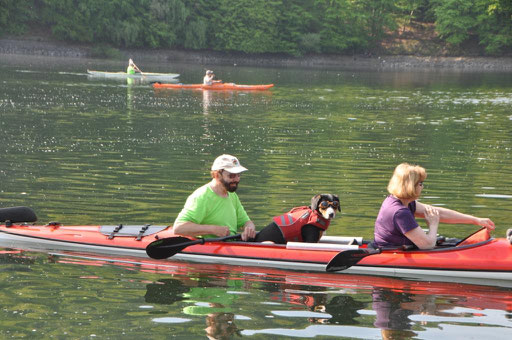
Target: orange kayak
(215, 87)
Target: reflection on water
(204, 298)
(393, 312)
(222, 301)
(206, 100)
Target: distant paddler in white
(132, 68)
(209, 78)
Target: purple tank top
(393, 221)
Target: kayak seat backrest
(131, 230)
(17, 214)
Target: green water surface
(83, 150)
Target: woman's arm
(454, 217)
(421, 239)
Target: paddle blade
(167, 247)
(348, 258)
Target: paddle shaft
(202, 241)
(348, 258)
(137, 68)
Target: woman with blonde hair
(396, 224)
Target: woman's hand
(485, 222)
(431, 216)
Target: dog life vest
(292, 222)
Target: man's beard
(230, 186)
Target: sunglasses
(230, 175)
(326, 204)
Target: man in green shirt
(215, 209)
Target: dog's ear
(336, 198)
(314, 202)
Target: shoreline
(42, 47)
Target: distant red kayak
(215, 87)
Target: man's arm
(193, 229)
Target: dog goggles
(326, 204)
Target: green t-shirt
(130, 70)
(204, 206)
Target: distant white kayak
(122, 75)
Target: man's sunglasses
(230, 175)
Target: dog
(302, 224)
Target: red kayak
(215, 87)
(477, 259)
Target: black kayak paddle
(167, 247)
(348, 258)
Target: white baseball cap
(228, 163)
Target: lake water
(83, 150)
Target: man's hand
(249, 231)
(220, 231)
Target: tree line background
(293, 27)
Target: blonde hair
(404, 183)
